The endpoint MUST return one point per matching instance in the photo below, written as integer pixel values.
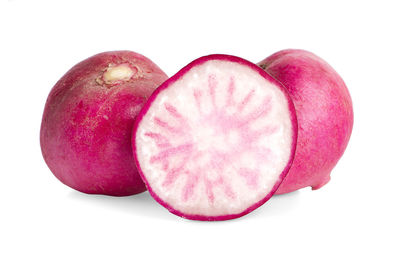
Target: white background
(355, 216)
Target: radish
(324, 112)
(215, 140)
(87, 122)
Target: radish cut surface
(215, 140)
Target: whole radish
(324, 112)
(87, 121)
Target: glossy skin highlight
(324, 112)
(87, 122)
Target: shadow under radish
(139, 204)
(278, 205)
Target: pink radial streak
(231, 91)
(212, 85)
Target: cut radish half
(215, 140)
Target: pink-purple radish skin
(87, 122)
(324, 112)
(215, 140)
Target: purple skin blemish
(217, 160)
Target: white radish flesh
(215, 141)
